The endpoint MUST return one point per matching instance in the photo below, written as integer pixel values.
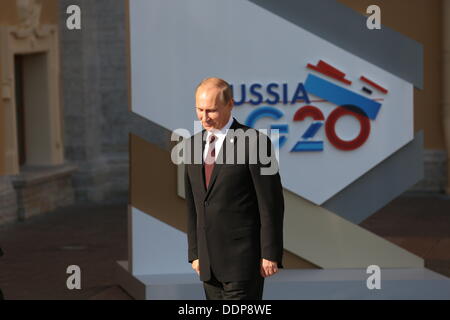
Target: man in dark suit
(234, 209)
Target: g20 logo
(305, 143)
(349, 103)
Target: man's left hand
(268, 268)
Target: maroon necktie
(210, 159)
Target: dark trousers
(234, 290)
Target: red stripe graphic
(329, 71)
(373, 84)
(325, 66)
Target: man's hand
(268, 268)
(196, 266)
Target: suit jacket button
(206, 203)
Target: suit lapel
(199, 167)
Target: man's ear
(231, 104)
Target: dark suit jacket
(239, 219)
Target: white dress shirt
(220, 134)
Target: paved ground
(38, 251)
(419, 224)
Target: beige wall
(8, 14)
(420, 20)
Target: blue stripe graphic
(312, 130)
(308, 146)
(341, 96)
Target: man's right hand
(196, 266)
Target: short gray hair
(226, 93)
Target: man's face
(211, 110)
